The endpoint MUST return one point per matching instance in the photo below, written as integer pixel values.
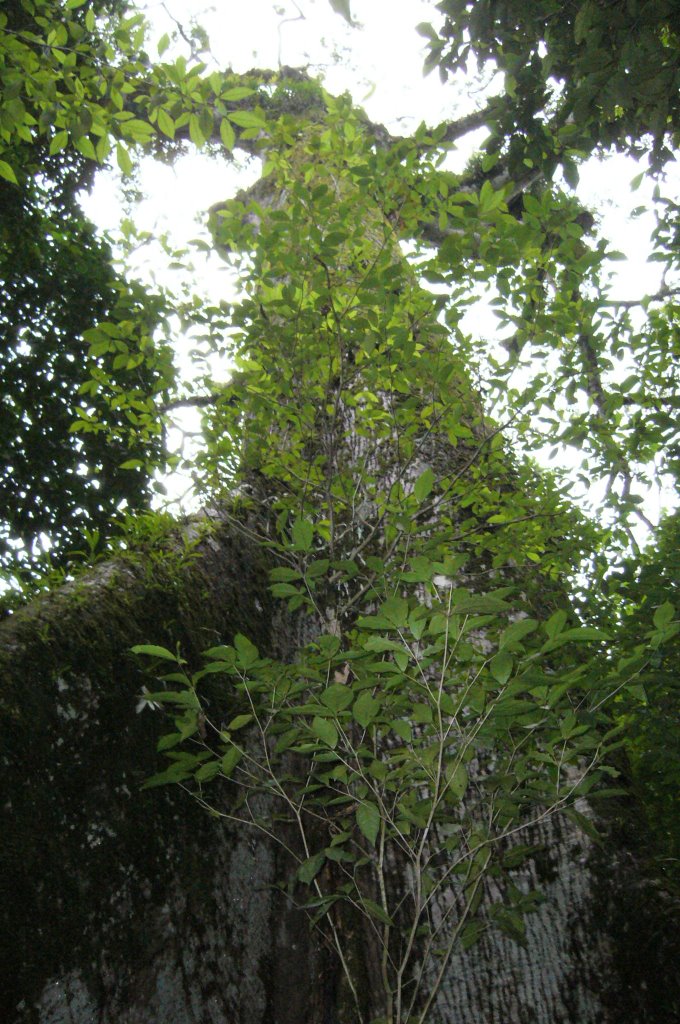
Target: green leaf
(423, 485)
(510, 922)
(339, 855)
(337, 697)
(123, 159)
(489, 199)
(153, 651)
(287, 740)
(471, 933)
(328, 644)
(84, 146)
(479, 604)
(222, 652)
(168, 741)
(395, 610)
(517, 631)
(170, 775)
(207, 771)
(166, 123)
(381, 643)
(583, 633)
(239, 722)
(284, 590)
(456, 780)
(342, 7)
(422, 714)
(284, 575)
(500, 667)
(555, 624)
(58, 142)
(368, 820)
(310, 868)
(317, 568)
(402, 729)
(196, 131)
(7, 173)
(247, 652)
(302, 532)
(424, 28)
(230, 760)
(325, 730)
(376, 911)
(365, 709)
(227, 134)
(247, 119)
(570, 171)
(663, 615)
(239, 92)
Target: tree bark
(129, 907)
(121, 905)
(137, 908)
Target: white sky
(380, 63)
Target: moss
(640, 916)
(84, 843)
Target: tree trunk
(120, 905)
(133, 907)
(137, 908)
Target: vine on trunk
(438, 706)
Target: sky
(380, 63)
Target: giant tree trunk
(120, 905)
(127, 907)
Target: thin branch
(287, 21)
(191, 43)
(663, 293)
(196, 401)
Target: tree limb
(192, 401)
(663, 293)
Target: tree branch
(463, 126)
(192, 401)
(663, 293)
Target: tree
(58, 282)
(402, 693)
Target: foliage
(410, 748)
(641, 592)
(432, 716)
(605, 73)
(596, 374)
(58, 283)
(445, 694)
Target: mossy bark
(129, 907)
(136, 908)
(122, 905)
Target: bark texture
(121, 905)
(137, 908)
